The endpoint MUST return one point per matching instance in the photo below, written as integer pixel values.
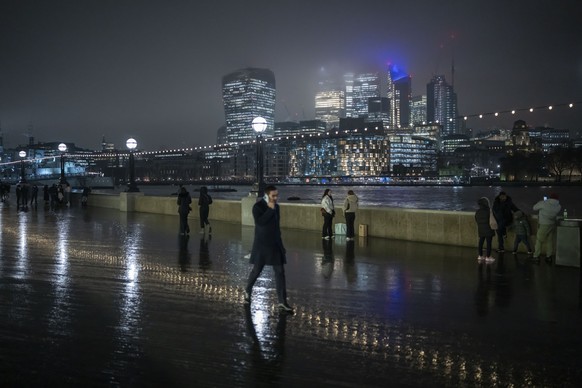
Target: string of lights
(552, 107)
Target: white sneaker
(489, 259)
(480, 258)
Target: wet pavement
(95, 297)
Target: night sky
(79, 70)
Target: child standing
(522, 230)
(482, 217)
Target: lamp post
(132, 187)
(62, 150)
(22, 155)
(259, 126)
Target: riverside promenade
(96, 297)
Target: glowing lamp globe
(131, 143)
(259, 124)
(22, 154)
(62, 147)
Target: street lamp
(259, 126)
(22, 155)
(132, 187)
(63, 149)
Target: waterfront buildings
(248, 93)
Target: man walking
(268, 246)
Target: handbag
(322, 211)
(492, 221)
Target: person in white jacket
(548, 211)
(328, 212)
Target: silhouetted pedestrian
(268, 246)
(34, 195)
(45, 194)
(184, 201)
(85, 196)
(522, 231)
(350, 207)
(503, 208)
(484, 230)
(204, 202)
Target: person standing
(350, 207)
(482, 218)
(184, 201)
(34, 196)
(328, 212)
(503, 208)
(67, 191)
(522, 231)
(204, 202)
(548, 211)
(268, 247)
(18, 195)
(45, 194)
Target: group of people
(27, 194)
(185, 200)
(504, 214)
(350, 206)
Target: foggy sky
(79, 70)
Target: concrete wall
(432, 226)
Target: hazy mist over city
(78, 70)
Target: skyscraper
(441, 101)
(365, 86)
(246, 94)
(400, 95)
(330, 107)
(418, 110)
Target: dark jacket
(521, 225)
(205, 199)
(503, 210)
(482, 219)
(268, 246)
(184, 202)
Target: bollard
(363, 230)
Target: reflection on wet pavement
(95, 297)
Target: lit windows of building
(412, 155)
(418, 110)
(441, 102)
(330, 107)
(248, 93)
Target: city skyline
(152, 70)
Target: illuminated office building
(248, 93)
(441, 101)
(418, 110)
(412, 154)
(349, 94)
(330, 107)
(400, 95)
(379, 110)
(366, 86)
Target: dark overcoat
(482, 218)
(268, 246)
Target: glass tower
(441, 105)
(246, 94)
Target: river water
(460, 198)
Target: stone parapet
(457, 228)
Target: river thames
(458, 198)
